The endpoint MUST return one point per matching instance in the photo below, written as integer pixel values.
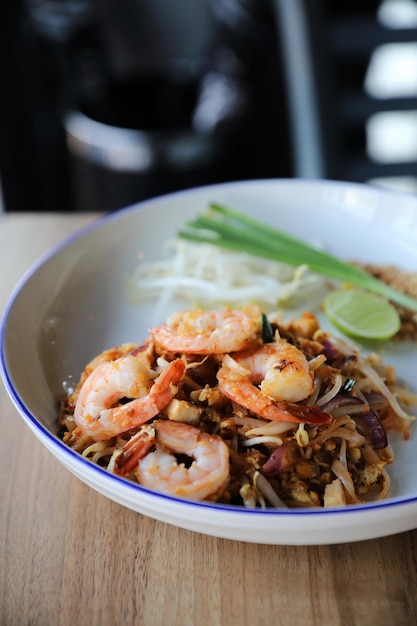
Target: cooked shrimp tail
(135, 449)
(292, 412)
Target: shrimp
(284, 378)
(136, 448)
(211, 332)
(206, 477)
(107, 355)
(97, 411)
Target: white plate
(73, 304)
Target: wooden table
(69, 556)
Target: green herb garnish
(267, 331)
(231, 229)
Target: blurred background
(104, 103)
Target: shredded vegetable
(231, 229)
(207, 276)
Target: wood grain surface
(69, 556)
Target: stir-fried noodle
(212, 407)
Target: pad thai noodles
(236, 407)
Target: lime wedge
(361, 315)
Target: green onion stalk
(228, 228)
